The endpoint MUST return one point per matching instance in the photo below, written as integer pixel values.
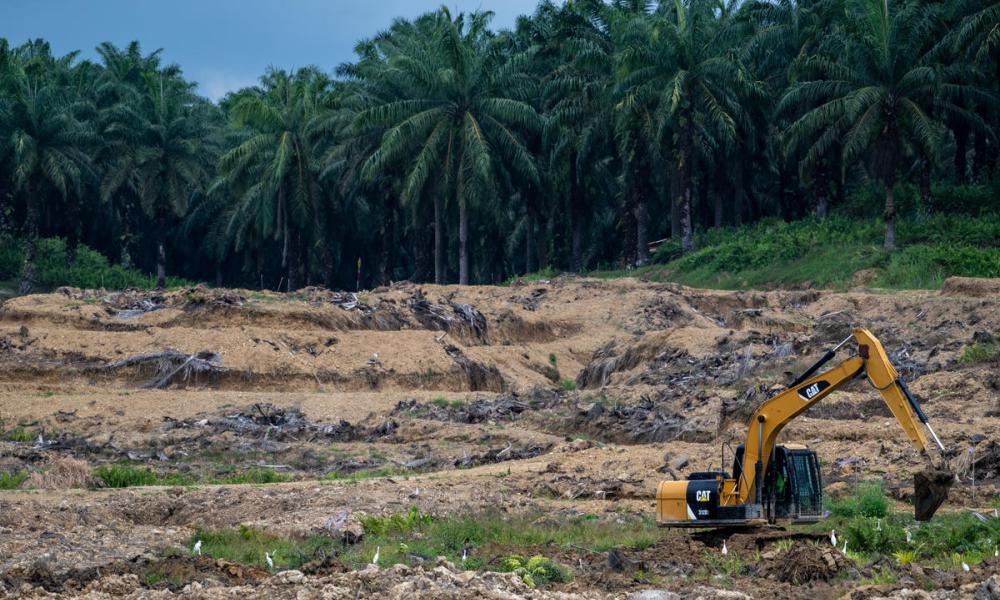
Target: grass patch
(12, 481)
(568, 384)
(541, 275)
(980, 352)
(248, 546)
(868, 500)
(368, 474)
(413, 534)
(257, 476)
(442, 402)
(18, 435)
(123, 475)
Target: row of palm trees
(447, 150)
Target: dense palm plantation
(450, 152)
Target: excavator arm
(772, 416)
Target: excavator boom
(742, 499)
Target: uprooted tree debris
(504, 408)
(171, 366)
(636, 424)
(461, 320)
(266, 421)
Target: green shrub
(259, 476)
(91, 270)
(396, 523)
(568, 384)
(868, 500)
(18, 435)
(123, 475)
(12, 481)
(666, 252)
(537, 570)
(979, 352)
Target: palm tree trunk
(293, 260)
(675, 207)
(161, 252)
(575, 215)
(531, 219)
(463, 242)
(30, 243)
(641, 232)
(684, 172)
(438, 241)
(126, 253)
(890, 218)
(386, 242)
(822, 184)
(979, 155)
(961, 148)
(925, 184)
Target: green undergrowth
(91, 270)
(981, 352)
(123, 475)
(364, 474)
(249, 546)
(401, 538)
(495, 542)
(866, 520)
(828, 253)
(12, 481)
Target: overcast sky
(225, 45)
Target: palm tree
(46, 142)
(684, 68)
(575, 60)
(119, 96)
(875, 94)
(172, 157)
(462, 102)
(786, 31)
(273, 170)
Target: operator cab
(793, 488)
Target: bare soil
(464, 392)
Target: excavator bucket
(930, 490)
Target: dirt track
(325, 382)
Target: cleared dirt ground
(561, 397)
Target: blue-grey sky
(225, 45)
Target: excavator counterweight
(772, 482)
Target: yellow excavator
(781, 483)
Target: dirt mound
(804, 562)
(970, 286)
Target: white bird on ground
(725, 551)
(465, 554)
(878, 525)
(833, 538)
(844, 549)
(375, 558)
(909, 537)
(270, 561)
(965, 567)
(197, 548)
